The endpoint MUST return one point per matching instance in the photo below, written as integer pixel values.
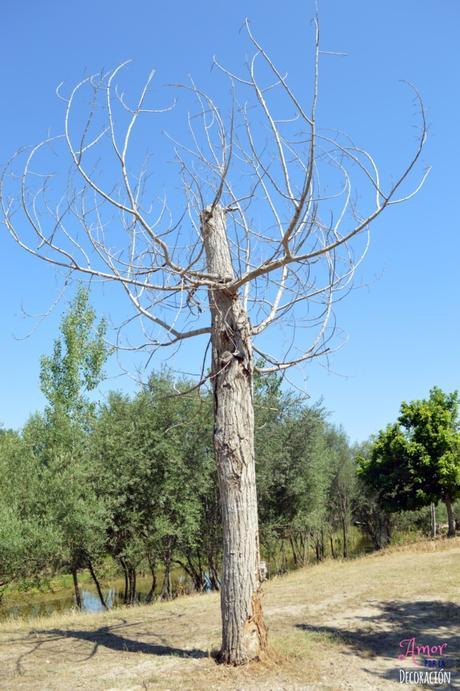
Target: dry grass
(332, 626)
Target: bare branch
(284, 186)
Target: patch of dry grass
(335, 625)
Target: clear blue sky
(403, 326)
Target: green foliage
(416, 460)
(432, 427)
(57, 442)
(342, 486)
(368, 509)
(75, 367)
(135, 477)
(155, 471)
(28, 538)
(299, 458)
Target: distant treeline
(134, 478)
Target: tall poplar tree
(74, 369)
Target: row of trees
(135, 478)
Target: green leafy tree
(342, 485)
(369, 511)
(121, 475)
(416, 461)
(59, 438)
(28, 538)
(271, 408)
(76, 366)
(292, 470)
(157, 478)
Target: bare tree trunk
(294, 551)
(97, 584)
(76, 588)
(194, 572)
(305, 550)
(151, 593)
(433, 520)
(450, 517)
(132, 584)
(345, 537)
(166, 588)
(126, 594)
(243, 629)
(319, 555)
(332, 546)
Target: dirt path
(367, 607)
(332, 626)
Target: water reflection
(37, 609)
(90, 602)
(45, 604)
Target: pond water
(44, 604)
(41, 605)
(28, 605)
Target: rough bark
(166, 588)
(243, 629)
(450, 517)
(76, 588)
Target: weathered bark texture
(243, 629)
(76, 588)
(166, 588)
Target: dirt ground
(337, 625)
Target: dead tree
(263, 231)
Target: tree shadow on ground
(105, 637)
(430, 622)
(108, 637)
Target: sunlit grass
(309, 612)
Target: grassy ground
(337, 625)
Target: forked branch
(260, 157)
